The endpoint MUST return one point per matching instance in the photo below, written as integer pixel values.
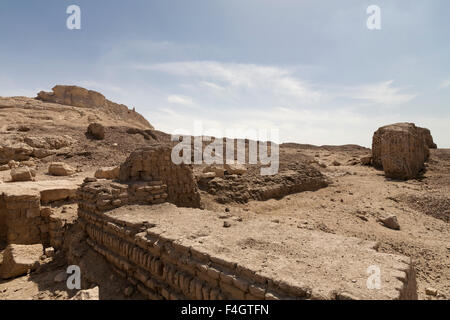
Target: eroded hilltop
(89, 182)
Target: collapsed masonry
(169, 252)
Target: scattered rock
(60, 169)
(19, 259)
(226, 224)
(22, 174)
(109, 173)
(206, 176)
(322, 165)
(90, 294)
(390, 222)
(431, 291)
(219, 172)
(238, 169)
(50, 251)
(336, 163)
(96, 130)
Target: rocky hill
(70, 106)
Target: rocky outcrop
(400, 150)
(19, 259)
(81, 97)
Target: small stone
(227, 209)
(60, 169)
(49, 252)
(21, 174)
(390, 222)
(226, 224)
(431, 291)
(97, 131)
(90, 294)
(128, 291)
(336, 163)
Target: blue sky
(311, 69)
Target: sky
(310, 69)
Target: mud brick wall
(100, 196)
(164, 269)
(154, 163)
(24, 221)
(22, 218)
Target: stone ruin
(401, 150)
(153, 166)
(27, 215)
(142, 226)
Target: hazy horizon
(314, 71)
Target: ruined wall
(23, 219)
(162, 269)
(100, 196)
(151, 246)
(154, 164)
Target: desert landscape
(90, 183)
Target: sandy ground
(359, 195)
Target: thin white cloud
(272, 85)
(383, 94)
(444, 84)
(234, 77)
(178, 99)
